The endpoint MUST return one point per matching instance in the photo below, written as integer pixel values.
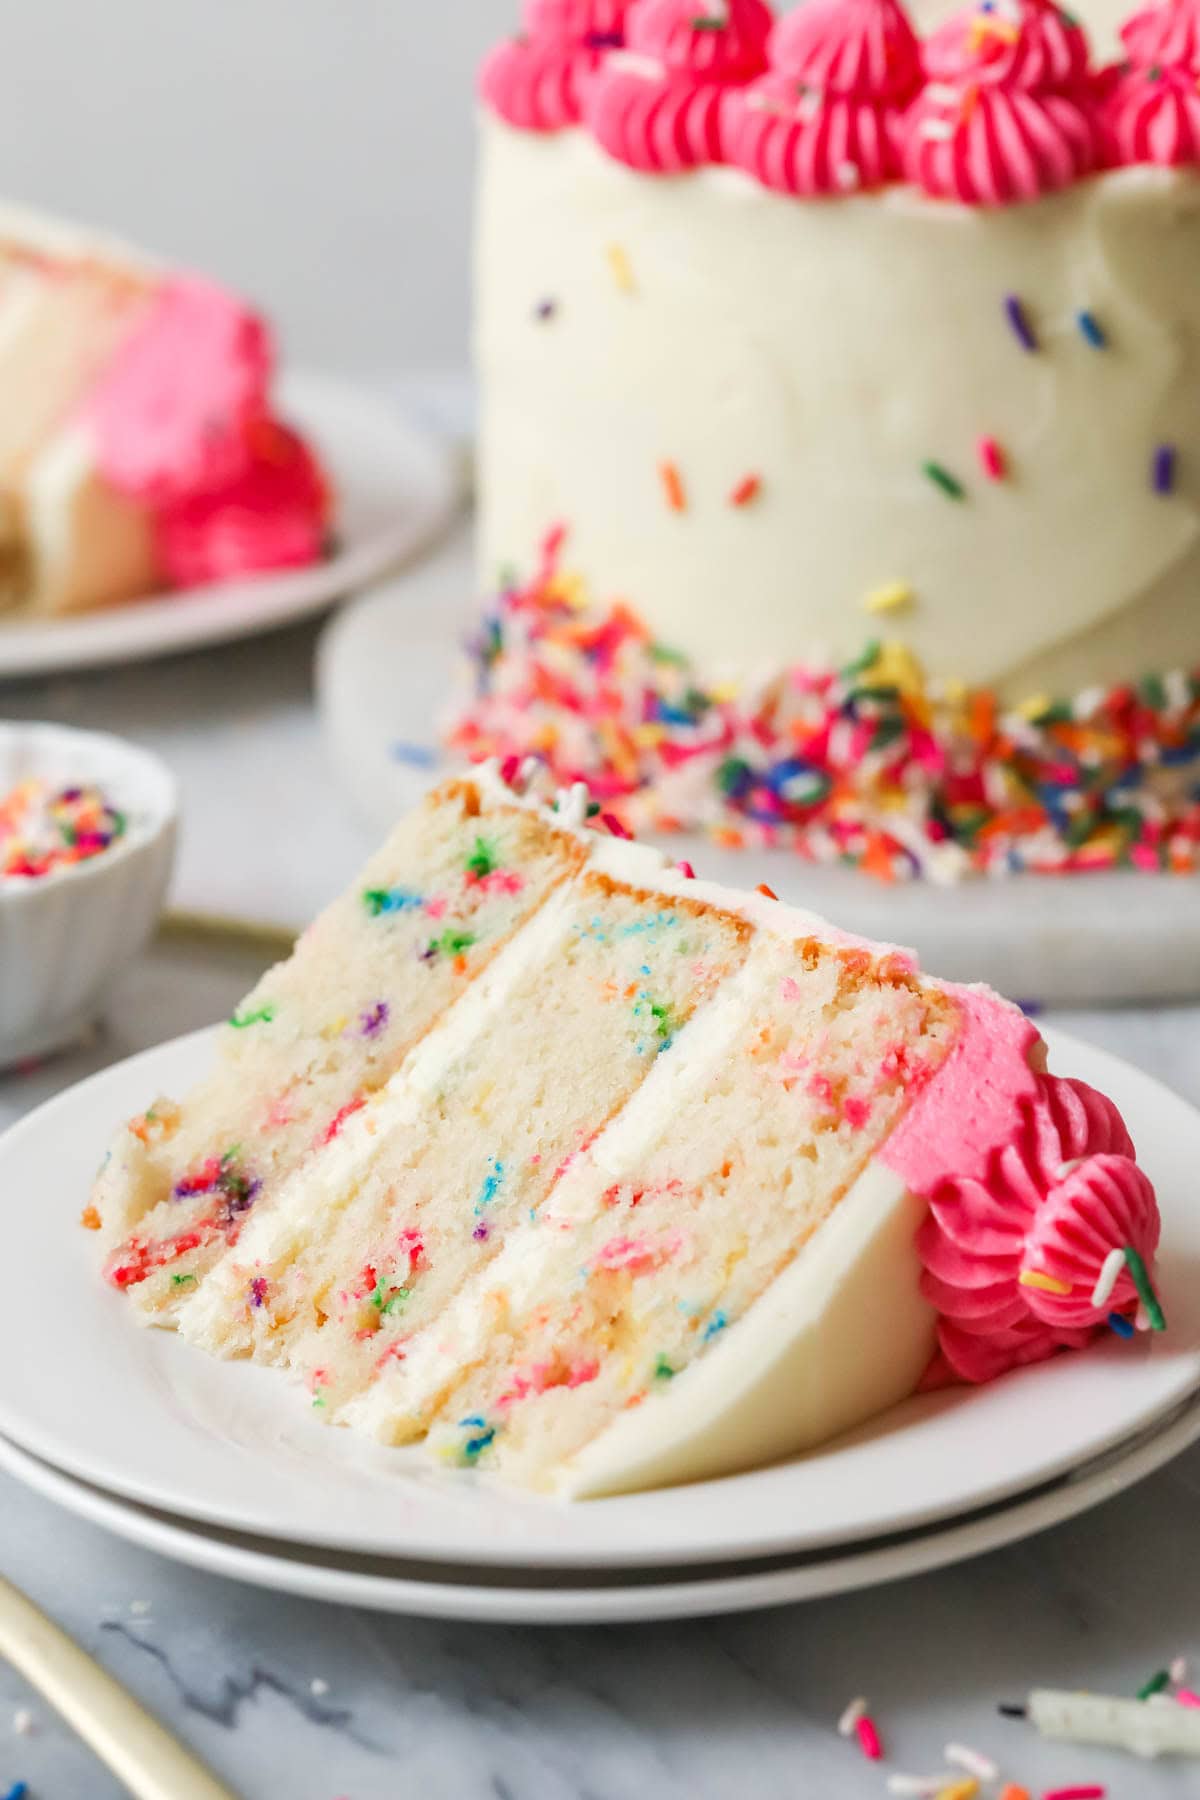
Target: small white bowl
(66, 936)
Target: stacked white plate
(224, 1467)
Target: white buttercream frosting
(832, 349)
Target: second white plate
(148, 1417)
(397, 489)
(518, 1597)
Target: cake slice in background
(139, 446)
(602, 1177)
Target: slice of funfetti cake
(324, 1030)
(660, 1180)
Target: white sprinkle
(1178, 688)
(317, 1686)
(1179, 1670)
(139, 1608)
(1087, 703)
(856, 1710)
(938, 131)
(1109, 1275)
(848, 176)
(963, 1757)
(1142, 1321)
(22, 1721)
(923, 1787)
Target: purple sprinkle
(603, 40)
(1164, 469)
(480, 1234)
(258, 1290)
(1022, 329)
(546, 309)
(375, 1018)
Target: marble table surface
(291, 1698)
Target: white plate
(384, 676)
(530, 1598)
(397, 488)
(147, 1416)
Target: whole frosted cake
(840, 427)
(140, 448)
(597, 1176)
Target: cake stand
(385, 670)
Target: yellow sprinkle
(569, 588)
(1046, 1283)
(896, 666)
(960, 1790)
(622, 272)
(648, 736)
(956, 691)
(724, 693)
(335, 1027)
(1035, 706)
(891, 598)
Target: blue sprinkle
(415, 756)
(717, 1323)
(17, 1792)
(491, 1185)
(1120, 1325)
(391, 900)
(1092, 330)
(486, 1434)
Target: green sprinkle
(942, 478)
(1155, 1685)
(452, 943)
(181, 1280)
(242, 1020)
(1153, 692)
(397, 1299)
(663, 1370)
(867, 660)
(390, 900)
(318, 1398)
(663, 1023)
(482, 860)
(661, 653)
(1146, 1294)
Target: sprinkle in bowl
(87, 840)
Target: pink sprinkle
(1095, 1792)
(856, 1111)
(613, 824)
(685, 868)
(789, 989)
(991, 457)
(868, 1737)
(509, 769)
(1186, 1697)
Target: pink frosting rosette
(536, 81)
(1150, 105)
(1167, 36)
(271, 513)
(1029, 44)
(1153, 116)
(1012, 1257)
(1008, 112)
(994, 146)
(826, 118)
(658, 107)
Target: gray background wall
(315, 153)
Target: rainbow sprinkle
(941, 478)
(992, 459)
(1162, 472)
(1019, 320)
(45, 828)
(1092, 330)
(871, 765)
(1146, 1294)
(673, 488)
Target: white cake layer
(832, 348)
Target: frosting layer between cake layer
(758, 414)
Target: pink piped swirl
(1164, 36)
(810, 146)
(858, 49)
(1152, 116)
(536, 82)
(994, 146)
(710, 40)
(659, 107)
(1028, 44)
(1053, 1203)
(827, 118)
